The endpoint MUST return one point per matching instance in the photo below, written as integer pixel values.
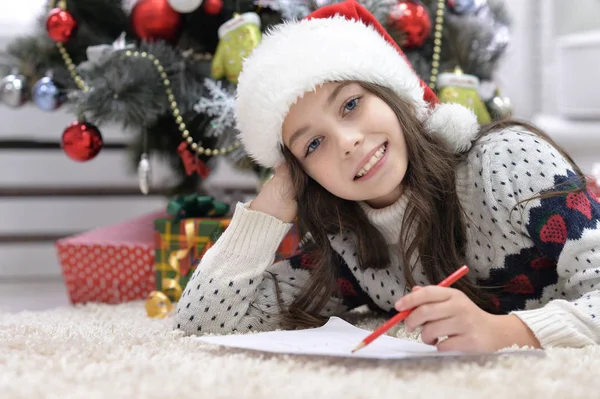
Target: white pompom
(455, 124)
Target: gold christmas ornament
(460, 88)
(172, 289)
(237, 38)
(158, 305)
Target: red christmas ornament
(412, 19)
(213, 7)
(81, 141)
(155, 20)
(60, 25)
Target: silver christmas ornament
(144, 174)
(499, 107)
(13, 90)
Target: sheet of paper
(335, 338)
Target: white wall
(576, 16)
(516, 75)
(530, 77)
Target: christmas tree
(167, 69)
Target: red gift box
(112, 264)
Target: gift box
(180, 244)
(112, 264)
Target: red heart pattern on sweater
(519, 285)
(542, 263)
(555, 230)
(581, 203)
(346, 287)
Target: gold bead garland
(437, 43)
(185, 133)
(71, 67)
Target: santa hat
(338, 42)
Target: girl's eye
(313, 146)
(351, 105)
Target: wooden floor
(16, 296)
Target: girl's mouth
(374, 161)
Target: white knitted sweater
(545, 255)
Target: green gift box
(179, 246)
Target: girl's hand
(448, 312)
(278, 197)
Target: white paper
(335, 338)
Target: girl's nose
(349, 140)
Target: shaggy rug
(104, 351)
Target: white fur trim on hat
(297, 57)
(455, 124)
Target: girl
(396, 192)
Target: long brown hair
(433, 227)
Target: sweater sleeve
(234, 286)
(565, 231)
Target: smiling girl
(396, 191)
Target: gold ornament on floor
(458, 87)
(237, 38)
(158, 305)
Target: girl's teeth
(376, 157)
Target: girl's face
(350, 142)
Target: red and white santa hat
(339, 42)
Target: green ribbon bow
(196, 206)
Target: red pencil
(447, 282)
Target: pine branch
(129, 90)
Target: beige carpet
(102, 351)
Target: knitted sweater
(544, 256)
